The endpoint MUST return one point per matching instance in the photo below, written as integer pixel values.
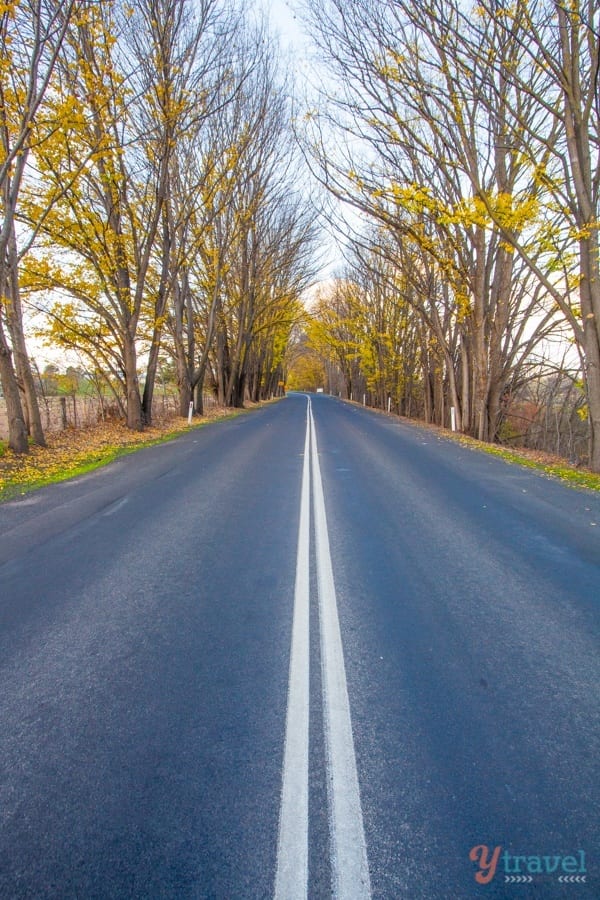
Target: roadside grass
(545, 463)
(553, 466)
(78, 451)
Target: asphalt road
(304, 652)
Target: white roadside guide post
(453, 418)
(389, 405)
(190, 412)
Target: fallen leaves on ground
(76, 449)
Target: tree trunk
(238, 394)
(135, 419)
(493, 407)
(199, 393)
(17, 429)
(479, 380)
(454, 395)
(151, 370)
(427, 392)
(31, 407)
(438, 394)
(184, 344)
(223, 367)
(14, 319)
(589, 254)
(185, 396)
(592, 384)
(162, 296)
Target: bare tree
(270, 225)
(420, 134)
(135, 79)
(31, 36)
(561, 140)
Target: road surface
(311, 651)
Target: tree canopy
(157, 204)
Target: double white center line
(349, 864)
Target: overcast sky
(286, 24)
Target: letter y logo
(487, 864)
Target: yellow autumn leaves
(69, 453)
(78, 450)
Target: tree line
(151, 199)
(466, 137)
(153, 203)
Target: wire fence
(74, 411)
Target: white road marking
(291, 880)
(112, 508)
(349, 863)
